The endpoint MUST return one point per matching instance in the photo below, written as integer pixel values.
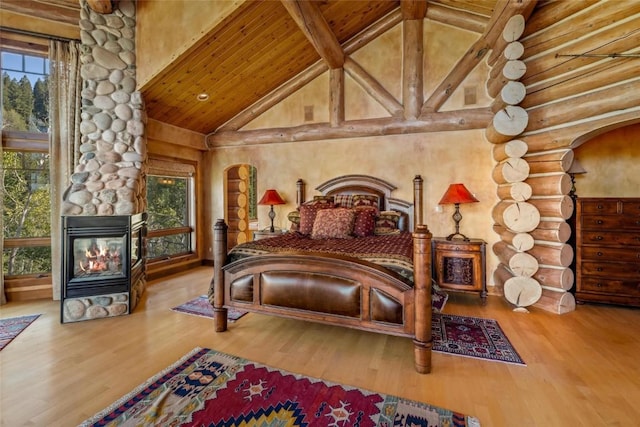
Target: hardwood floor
(582, 367)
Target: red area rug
(209, 388)
(200, 307)
(11, 328)
(472, 337)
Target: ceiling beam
(101, 6)
(413, 9)
(309, 19)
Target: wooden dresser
(608, 250)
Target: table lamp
(457, 194)
(271, 197)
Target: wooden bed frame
(336, 290)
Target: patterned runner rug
(11, 328)
(472, 337)
(210, 388)
(200, 307)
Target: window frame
(184, 169)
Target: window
(170, 208)
(25, 160)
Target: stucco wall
(612, 162)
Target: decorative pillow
(344, 200)
(294, 217)
(365, 200)
(365, 222)
(387, 223)
(333, 223)
(321, 200)
(308, 216)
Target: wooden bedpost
(422, 291)
(216, 289)
(299, 192)
(417, 202)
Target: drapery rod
(602, 55)
(35, 34)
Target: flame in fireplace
(98, 259)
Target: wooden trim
(169, 231)
(25, 141)
(27, 242)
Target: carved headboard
(364, 184)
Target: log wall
(578, 82)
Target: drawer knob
(600, 207)
(599, 269)
(599, 253)
(599, 237)
(599, 222)
(599, 285)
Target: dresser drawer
(599, 207)
(603, 253)
(600, 222)
(611, 269)
(610, 238)
(631, 208)
(603, 285)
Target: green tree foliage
(25, 177)
(27, 209)
(167, 207)
(41, 104)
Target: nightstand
(459, 265)
(264, 234)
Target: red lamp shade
(457, 193)
(271, 197)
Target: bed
(365, 290)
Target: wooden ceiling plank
(457, 18)
(546, 16)
(575, 25)
(313, 25)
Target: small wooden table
(459, 265)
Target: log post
(513, 148)
(516, 191)
(513, 169)
(422, 342)
(558, 302)
(559, 255)
(501, 275)
(520, 263)
(553, 207)
(216, 290)
(552, 231)
(522, 291)
(555, 277)
(521, 242)
(521, 217)
(558, 184)
(507, 123)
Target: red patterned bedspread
(393, 251)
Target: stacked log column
(514, 216)
(532, 187)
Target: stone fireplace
(103, 210)
(103, 265)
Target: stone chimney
(109, 178)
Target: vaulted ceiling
(264, 44)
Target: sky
(17, 65)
